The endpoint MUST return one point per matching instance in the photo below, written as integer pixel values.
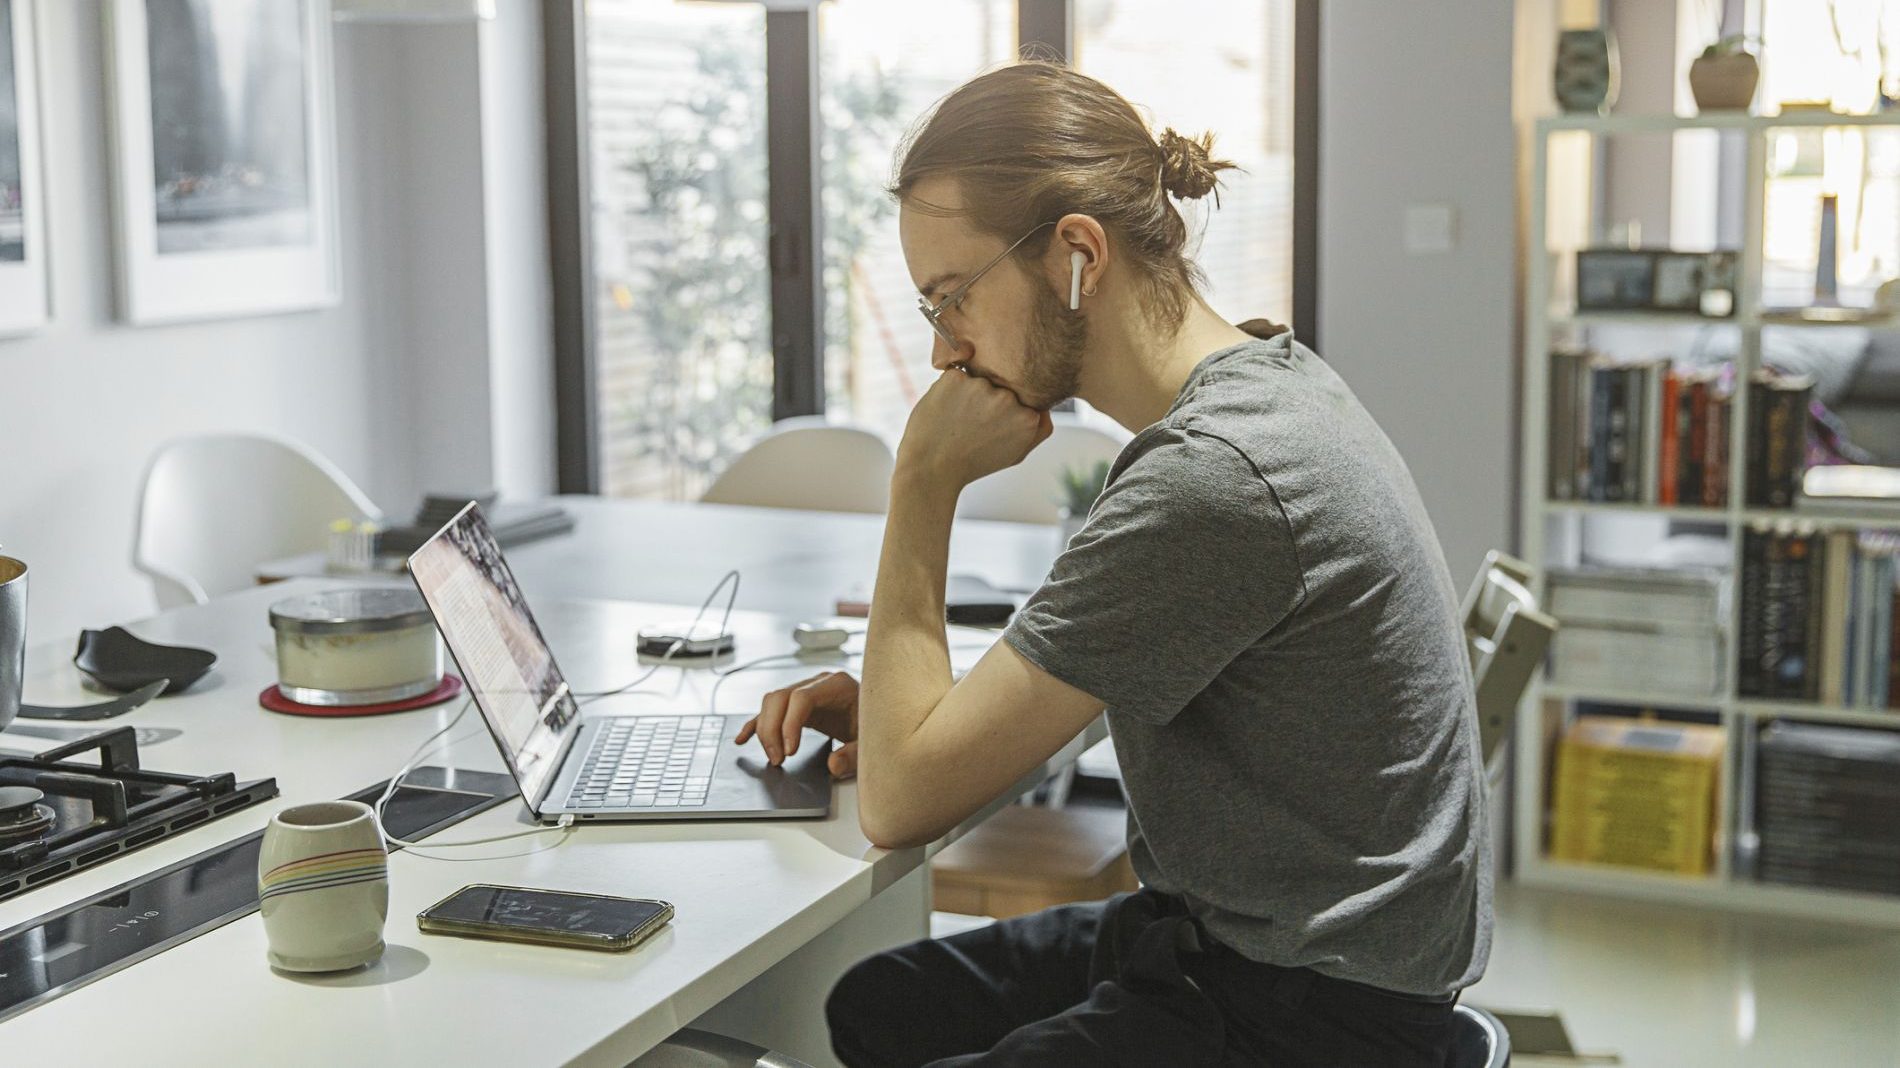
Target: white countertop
(747, 893)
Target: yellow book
(1636, 794)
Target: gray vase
(1586, 75)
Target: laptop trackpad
(801, 783)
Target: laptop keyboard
(649, 762)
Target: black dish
(120, 660)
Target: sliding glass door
(725, 253)
(881, 67)
(676, 126)
(1236, 81)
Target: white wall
(520, 289)
(83, 404)
(455, 113)
(434, 276)
(402, 384)
(1637, 169)
(1415, 106)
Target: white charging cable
(712, 699)
(845, 655)
(409, 765)
(732, 598)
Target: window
(882, 67)
(676, 131)
(686, 223)
(1847, 54)
(1237, 83)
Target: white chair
(214, 507)
(805, 463)
(1031, 492)
(1506, 635)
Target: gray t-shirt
(1259, 599)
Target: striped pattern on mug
(323, 871)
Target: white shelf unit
(1548, 706)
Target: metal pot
(12, 637)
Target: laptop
(647, 767)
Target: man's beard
(1052, 352)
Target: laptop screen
(495, 641)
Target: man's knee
(860, 1012)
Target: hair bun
(1187, 170)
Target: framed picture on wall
(1656, 280)
(1615, 279)
(1679, 281)
(224, 154)
(23, 277)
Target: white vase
(323, 887)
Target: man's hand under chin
(963, 428)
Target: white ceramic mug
(323, 887)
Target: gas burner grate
(94, 812)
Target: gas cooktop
(53, 955)
(61, 812)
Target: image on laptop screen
(499, 648)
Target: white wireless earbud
(1076, 260)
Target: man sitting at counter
(1258, 602)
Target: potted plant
(1724, 76)
(1081, 484)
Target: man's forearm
(907, 657)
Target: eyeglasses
(933, 314)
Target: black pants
(1118, 982)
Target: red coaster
(274, 699)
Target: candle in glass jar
(356, 647)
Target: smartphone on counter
(546, 917)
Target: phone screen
(549, 910)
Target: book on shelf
(1648, 416)
(1561, 473)
(1777, 437)
(1782, 614)
(1625, 628)
(1892, 645)
(1636, 433)
(1716, 460)
(1749, 637)
(1836, 564)
(1852, 490)
(1804, 616)
(1580, 596)
(1823, 807)
(1672, 425)
(1636, 793)
(1707, 424)
(1817, 616)
(1662, 660)
(1647, 432)
(1609, 433)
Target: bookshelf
(1552, 530)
